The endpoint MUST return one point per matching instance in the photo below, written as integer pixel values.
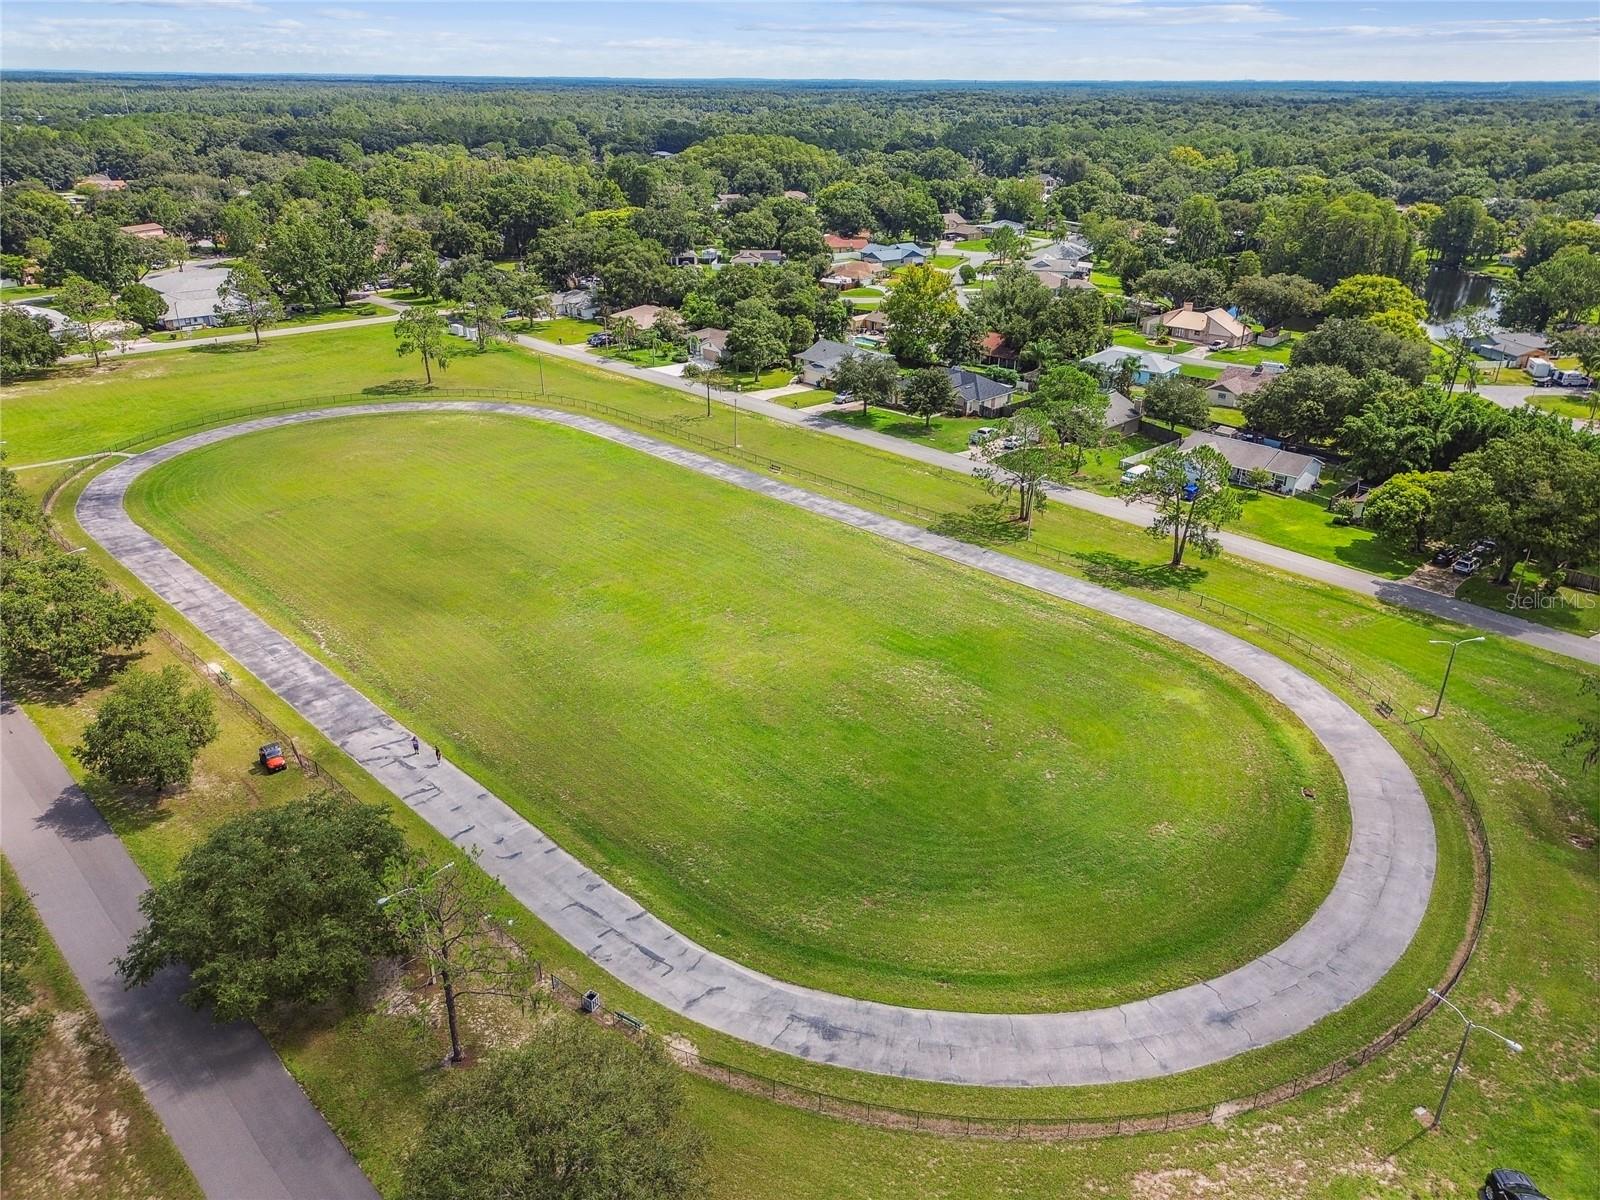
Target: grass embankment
(1509, 711)
(935, 777)
(82, 1129)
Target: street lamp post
(1461, 1050)
(384, 901)
(1454, 646)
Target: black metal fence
(1049, 1128)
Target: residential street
(1292, 561)
(238, 1118)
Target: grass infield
(916, 784)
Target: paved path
(240, 1121)
(1390, 591)
(1349, 943)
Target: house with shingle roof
(1235, 384)
(1291, 472)
(979, 396)
(817, 362)
(897, 255)
(1196, 325)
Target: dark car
(599, 339)
(1509, 1185)
(1446, 556)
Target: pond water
(1448, 291)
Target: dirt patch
(1439, 580)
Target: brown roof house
(993, 350)
(1235, 384)
(644, 316)
(1194, 325)
(851, 274)
(148, 230)
(101, 182)
(708, 345)
(846, 245)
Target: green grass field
(952, 793)
(1249, 356)
(564, 331)
(1508, 713)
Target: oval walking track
(1356, 935)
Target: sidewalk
(236, 1115)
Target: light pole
(736, 390)
(389, 899)
(1516, 1048)
(1454, 646)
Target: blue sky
(846, 39)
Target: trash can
(590, 1002)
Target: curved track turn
(1357, 934)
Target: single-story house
(875, 321)
(59, 322)
(979, 396)
(898, 255)
(846, 245)
(1194, 325)
(795, 194)
(724, 199)
(101, 182)
(1072, 268)
(756, 258)
(1122, 414)
(954, 221)
(191, 295)
(578, 303)
(821, 359)
(1057, 282)
(1148, 364)
(147, 230)
(708, 345)
(1016, 227)
(644, 316)
(965, 231)
(1513, 349)
(993, 351)
(851, 274)
(1071, 248)
(1291, 472)
(1235, 384)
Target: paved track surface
(238, 1118)
(1350, 942)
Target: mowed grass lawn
(844, 763)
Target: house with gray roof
(1513, 349)
(1291, 472)
(818, 362)
(900, 254)
(1148, 364)
(1122, 414)
(192, 294)
(979, 396)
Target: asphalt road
(1352, 940)
(236, 1115)
(1391, 591)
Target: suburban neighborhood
(742, 620)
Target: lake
(1448, 291)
